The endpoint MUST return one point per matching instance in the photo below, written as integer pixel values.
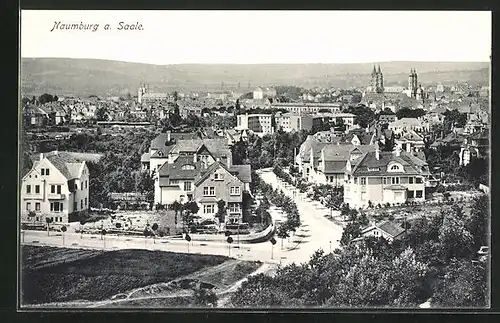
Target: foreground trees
(436, 258)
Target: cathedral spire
(374, 71)
(378, 71)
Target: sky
(256, 37)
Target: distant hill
(80, 77)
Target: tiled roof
(243, 172)
(66, 164)
(391, 228)
(412, 165)
(412, 136)
(217, 147)
(175, 170)
(335, 166)
(161, 152)
(405, 122)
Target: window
(43, 171)
(81, 186)
(355, 180)
(363, 180)
(28, 206)
(28, 189)
(418, 180)
(58, 189)
(410, 194)
(208, 191)
(234, 208)
(209, 209)
(394, 167)
(385, 180)
(85, 201)
(410, 180)
(86, 185)
(187, 186)
(75, 206)
(56, 219)
(219, 177)
(174, 182)
(37, 206)
(47, 171)
(60, 219)
(418, 194)
(56, 207)
(37, 189)
(37, 219)
(394, 180)
(235, 190)
(81, 204)
(52, 189)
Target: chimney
(398, 151)
(377, 152)
(41, 156)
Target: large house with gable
(199, 170)
(379, 177)
(56, 187)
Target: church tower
(380, 81)
(373, 83)
(413, 83)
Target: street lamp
(273, 242)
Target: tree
(259, 290)
(45, 98)
(477, 223)
(282, 233)
(101, 114)
(464, 285)
(204, 297)
(177, 207)
(364, 115)
(410, 113)
(351, 231)
(221, 210)
(455, 240)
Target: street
(315, 233)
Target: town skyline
(277, 38)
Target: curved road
(316, 232)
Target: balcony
(55, 196)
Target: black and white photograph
(246, 159)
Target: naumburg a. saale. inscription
(81, 26)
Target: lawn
(99, 275)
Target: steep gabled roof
(210, 170)
(177, 171)
(411, 164)
(243, 172)
(66, 164)
(392, 229)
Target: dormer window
(187, 167)
(218, 177)
(394, 167)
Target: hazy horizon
(271, 63)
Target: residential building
(407, 124)
(410, 141)
(387, 118)
(56, 187)
(385, 177)
(309, 108)
(291, 121)
(260, 124)
(388, 230)
(308, 155)
(333, 160)
(347, 119)
(474, 146)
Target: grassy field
(71, 274)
